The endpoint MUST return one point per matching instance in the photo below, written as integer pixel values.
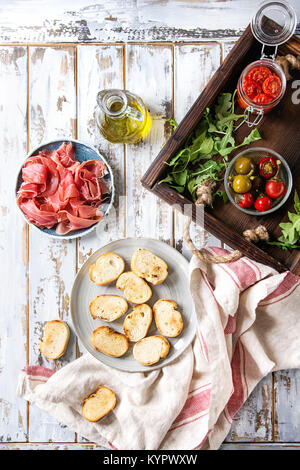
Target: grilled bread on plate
(107, 268)
(98, 404)
(108, 307)
(149, 266)
(109, 342)
(136, 290)
(150, 350)
(137, 322)
(168, 320)
(55, 339)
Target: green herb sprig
(290, 238)
(205, 154)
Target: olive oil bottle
(122, 116)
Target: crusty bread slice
(146, 264)
(137, 323)
(109, 342)
(168, 320)
(107, 268)
(136, 290)
(55, 339)
(98, 404)
(108, 307)
(151, 349)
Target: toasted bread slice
(98, 404)
(107, 268)
(55, 339)
(108, 307)
(109, 342)
(168, 320)
(151, 349)
(136, 290)
(149, 266)
(137, 323)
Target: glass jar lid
(274, 23)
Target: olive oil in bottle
(122, 116)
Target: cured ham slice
(37, 214)
(71, 222)
(88, 178)
(58, 190)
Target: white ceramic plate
(175, 287)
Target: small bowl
(256, 153)
(83, 152)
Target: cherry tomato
(259, 74)
(272, 86)
(267, 167)
(275, 189)
(246, 200)
(262, 98)
(251, 88)
(263, 204)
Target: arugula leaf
(252, 137)
(296, 203)
(284, 245)
(206, 150)
(290, 230)
(180, 178)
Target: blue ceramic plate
(83, 152)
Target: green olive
(241, 184)
(243, 165)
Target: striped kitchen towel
(248, 325)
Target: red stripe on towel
(38, 371)
(237, 398)
(194, 405)
(242, 273)
(189, 422)
(112, 446)
(230, 326)
(287, 286)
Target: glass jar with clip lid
(262, 83)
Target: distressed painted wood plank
(50, 446)
(52, 262)
(101, 67)
(149, 75)
(134, 20)
(13, 243)
(254, 420)
(286, 406)
(194, 66)
(226, 48)
(261, 446)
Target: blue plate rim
(89, 229)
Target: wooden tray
(280, 131)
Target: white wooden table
(54, 57)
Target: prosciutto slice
(58, 190)
(88, 178)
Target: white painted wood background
(54, 57)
